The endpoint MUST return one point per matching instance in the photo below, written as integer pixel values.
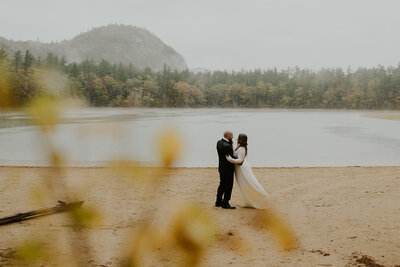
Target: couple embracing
(233, 162)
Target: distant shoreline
(395, 116)
(77, 107)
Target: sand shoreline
(345, 212)
(393, 115)
(193, 168)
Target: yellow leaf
(85, 216)
(30, 251)
(45, 112)
(281, 231)
(170, 146)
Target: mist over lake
(277, 137)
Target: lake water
(92, 137)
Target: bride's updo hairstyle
(242, 141)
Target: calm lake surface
(94, 136)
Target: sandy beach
(338, 214)
(393, 115)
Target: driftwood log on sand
(61, 207)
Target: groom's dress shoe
(218, 204)
(227, 206)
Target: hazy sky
(229, 34)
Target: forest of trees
(118, 85)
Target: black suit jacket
(224, 149)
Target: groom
(225, 169)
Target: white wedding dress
(251, 191)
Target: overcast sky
(229, 34)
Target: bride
(251, 191)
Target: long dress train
(250, 190)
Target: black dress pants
(225, 187)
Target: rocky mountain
(114, 43)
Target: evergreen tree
(28, 61)
(17, 60)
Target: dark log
(61, 207)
